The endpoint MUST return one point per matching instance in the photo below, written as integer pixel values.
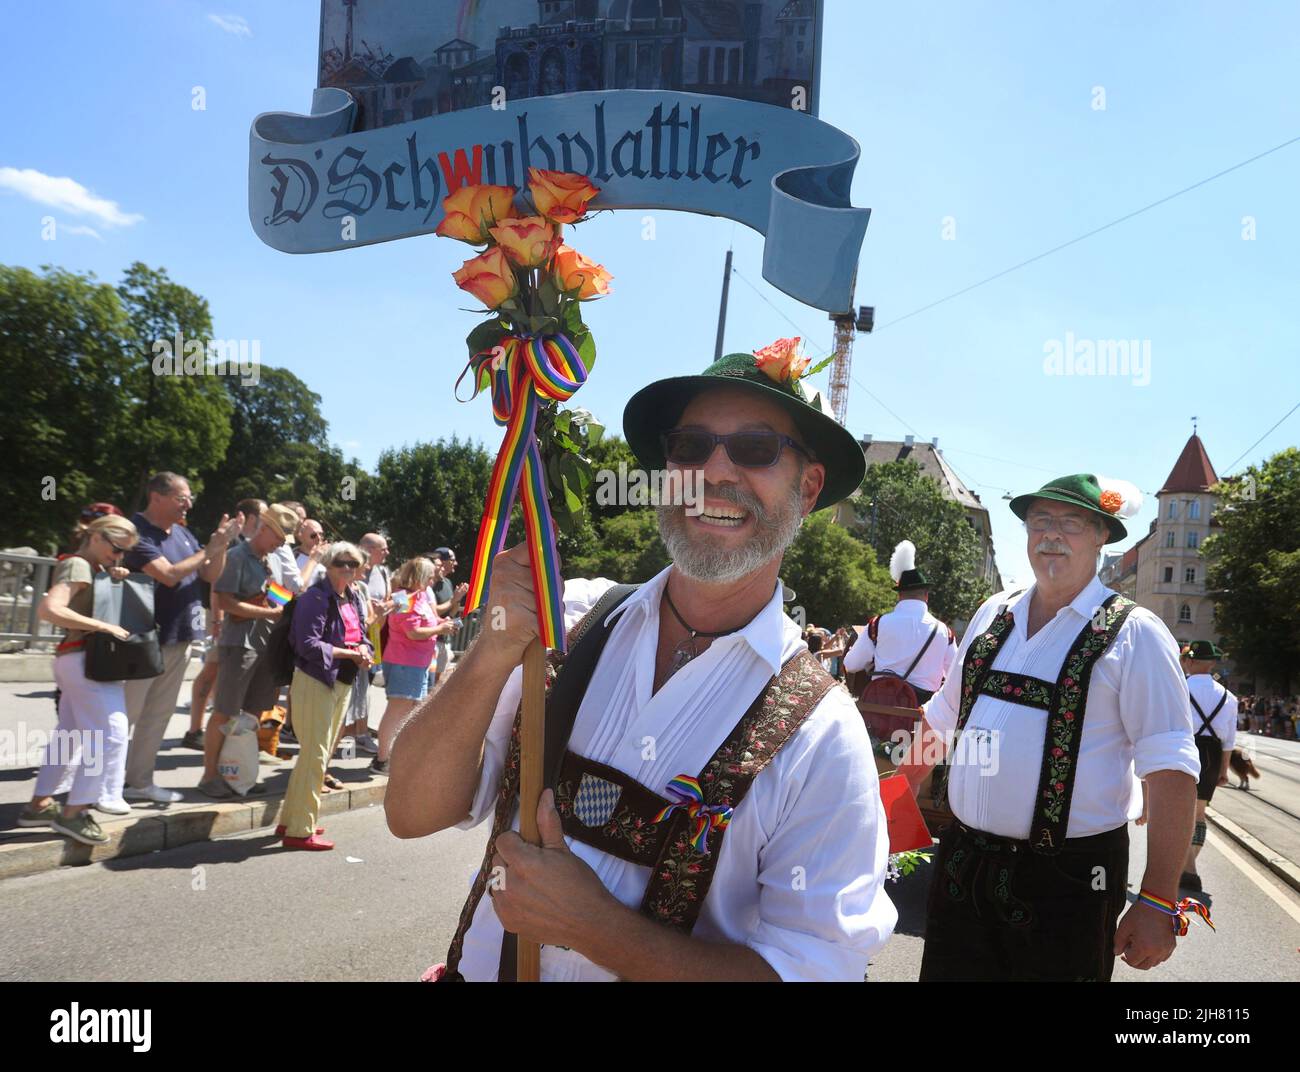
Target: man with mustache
(716, 813)
(1067, 695)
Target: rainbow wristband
(1177, 910)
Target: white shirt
(1207, 692)
(291, 578)
(1137, 720)
(900, 634)
(801, 870)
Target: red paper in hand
(907, 829)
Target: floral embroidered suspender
(625, 809)
(1064, 700)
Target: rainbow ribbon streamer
(690, 799)
(277, 595)
(521, 373)
(1177, 910)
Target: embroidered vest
(604, 808)
(1064, 700)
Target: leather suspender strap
(1205, 727)
(508, 792)
(908, 672)
(562, 703)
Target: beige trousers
(317, 715)
(150, 704)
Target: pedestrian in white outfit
(86, 755)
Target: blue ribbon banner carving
(314, 187)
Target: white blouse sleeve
(1153, 701)
(823, 911)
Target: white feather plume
(1130, 496)
(902, 560)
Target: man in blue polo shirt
(169, 553)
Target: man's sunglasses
(751, 450)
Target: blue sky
(978, 114)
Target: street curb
(1287, 871)
(154, 831)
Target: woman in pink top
(413, 630)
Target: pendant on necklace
(682, 654)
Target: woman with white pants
(86, 755)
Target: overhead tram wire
(1089, 234)
(1262, 438)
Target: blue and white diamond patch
(595, 800)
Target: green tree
(429, 495)
(835, 576)
(279, 449)
(627, 549)
(1253, 556)
(899, 502)
(82, 404)
(179, 423)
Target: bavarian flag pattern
(595, 800)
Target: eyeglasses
(1071, 526)
(347, 565)
(752, 450)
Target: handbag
(128, 603)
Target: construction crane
(847, 325)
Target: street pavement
(378, 908)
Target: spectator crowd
(267, 590)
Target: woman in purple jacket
(330, 648)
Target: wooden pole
(532, 749)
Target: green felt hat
(912, 578)
(1112, 499)
(658, 407)
(1202, 649)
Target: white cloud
(79, 229)
(65, 193)
(232, 24)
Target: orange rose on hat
(781, 360)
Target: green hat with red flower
(771, 373)
(1112, 499)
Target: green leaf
(820, 365)
(594, 433)
(549, 295)
(485, 336)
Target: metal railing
(461, 640)
(24, 580)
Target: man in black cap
(1067, 694)
(447, 599)
(697, 714)
(1214, 714)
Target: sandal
(330, 782)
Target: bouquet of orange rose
(533, 352)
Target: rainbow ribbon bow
(1178, 910)
(521, 372)
(690, 799)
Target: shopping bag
(238, 763)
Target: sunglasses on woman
(750, 450)
(116, 549)
(347, 565)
